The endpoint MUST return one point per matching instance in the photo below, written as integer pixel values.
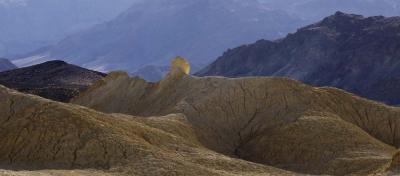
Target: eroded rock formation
(271, 121)
(50, 138)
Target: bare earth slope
(272, 121)
(51, 138)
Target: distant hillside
(5, 65)
(54, 80)
(27, 25)
(358, 54)
(153, 31)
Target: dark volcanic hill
(5, 65)
(56, 80)
(352, 52)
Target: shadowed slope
(273, 121)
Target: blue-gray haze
(27, 25)
(150, 32)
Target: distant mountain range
(5, 65)
(153, 31)
(314, 10)
(351, 52)
(54, 80)
(27, 25)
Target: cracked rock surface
(186, 125)
(42, 137)
(271, 121)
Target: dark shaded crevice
(11, 110)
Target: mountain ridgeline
(314, 10)
(355, 53)
(151, 32)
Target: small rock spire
(180, 66)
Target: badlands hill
(355, 53)
(52, 138)
(275, 122)
(186, 125)
(56, 80)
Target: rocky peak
(339, 22)
(340, 17)
(343, 16)
(351, 52)
(344, 23)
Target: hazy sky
(27, 25)
(30, 24)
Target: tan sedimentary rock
(180, 64)
(52, 138)
(272, 121)
(186, 125)
(395, 164)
